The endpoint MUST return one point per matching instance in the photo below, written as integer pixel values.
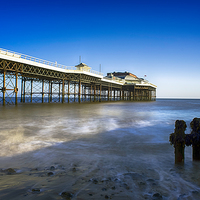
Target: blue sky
(157, 38)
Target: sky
(156, 38)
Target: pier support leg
(108, 93)
(63, 91)
(85, 92)
(94, 92)
(74, 92)
(16, 87)
(68, 92)
(91, 93)
(49, 95)
(24, 90)
(100, 93)
(59, 93)
(31, 90)
(42, 91)
(4, 88)
(79, 91)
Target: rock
(74, 169)
(126, 186)
(52, 168)
(50, 173)
(150, 180)
(141, 183)
(157, 196)
(107, 197)
(95, 181)
(113, 188)
(10, 171)
(35, 190)
(195, 192)
(67, 195)
(104, 189)
(34, 169)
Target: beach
(116, 150)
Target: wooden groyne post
(178, 140)
(194, 138)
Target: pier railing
(45, 62)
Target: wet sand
(120, 169)
(95, 151)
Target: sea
(108, 150)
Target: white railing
(45, 62)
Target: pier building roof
(130, 78)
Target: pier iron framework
(28, 79)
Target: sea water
(115, 150)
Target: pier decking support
(49, 95)
(42, 91)
(74, 92)
(68, 90)
(63, 91)
(91, 93)
(31, 90)
(51, 92)
(79, 91)
(94, 92)
(4, 88)
(108, 93)
(24, 90)
(100, 92)
(16, 87)
(59, 93)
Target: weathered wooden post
(178, 140)
(195, 125)
(194, 138)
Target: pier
(36, 80)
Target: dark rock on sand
(34, 169)
(104, 189)
(150, 180)
(35, 190)
(95, 181)
(52, 168)
(157, 196)
(195, 192)
(113, 188)
(50, 173)
(67, 195)
(141, 183)
(10, 171)
(107, 197)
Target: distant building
(137, 88)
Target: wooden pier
(36, 80)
